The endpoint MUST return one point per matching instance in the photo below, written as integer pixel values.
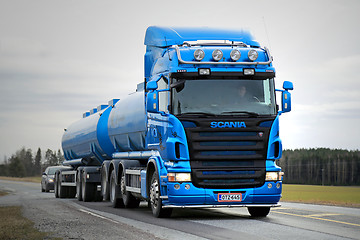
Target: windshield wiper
(205, 114)
(252, 114)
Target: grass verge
(14, 226)
(329, 195)
(25, 179)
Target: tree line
(321, 166)
(24, 164)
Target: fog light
(187, 186)
(177, 186)
(269, 185)
(199, 54)
(204, 71)
(278, 185)
(253, 55)
(217, 55)
(249, 71)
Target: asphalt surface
(71, 219)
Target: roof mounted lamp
(217, 55)
(199, 54)
(253, 55)
(235, 55)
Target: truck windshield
(223, 97)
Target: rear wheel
(105, 192)
(259, 211)
(62, 190)
(129, 200)
(78, 186)
(71, 192)
(155, 200)
(56, 186)
(115, 192)
(88, 190)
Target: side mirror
(288, 85)
(286, 101)
(152, 102)
(44, 174)
(286, 97)
(151, 85)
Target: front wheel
(155, 200)
(259, 211)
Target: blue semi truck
(202, 130)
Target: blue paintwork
(130, 124)
(167, 36)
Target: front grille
(227, 157)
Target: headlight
(253, 55)
(274, 176)
(51, 180)
(179, 177)
(217, 55)
(235, 55)
(199, 54)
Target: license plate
(229, 197)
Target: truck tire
(78, 186)
(62, 190)
(155, 200)
(56, 187)
(71, 192)
(88, 190)
(114, 192)
(105, 192)
(258, 211)
(129, 200)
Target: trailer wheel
(129, 200)
(88, 190)
(258, 211)
(105, 192)
(62, 190)
(115, 192)
(71, 192)
(78, 186)
(155, 200)
(56, 187)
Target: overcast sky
(61, 58)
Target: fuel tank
(116, 128)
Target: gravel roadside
(63, 220)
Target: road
(291, 221)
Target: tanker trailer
(201, 131)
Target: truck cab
(214, 119)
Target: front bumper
(193, 197)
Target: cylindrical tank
(127, 123)
(117, 128)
